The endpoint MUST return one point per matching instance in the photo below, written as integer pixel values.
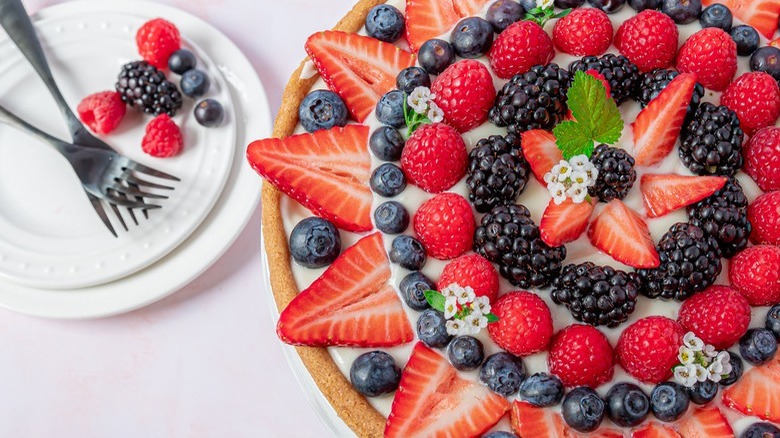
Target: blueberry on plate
(413, 288)
(773, 320)
(194, 83)
(385, 23)
(761, 430)
(386, 143)
(669, 401)
(432, 329)
(388, 180)
(391, 217)
(583, 409)
(435, 56)
(717, 15)
(209, 113)
(181, 61)
(374, 373)
(322, 109)
(542, 390)
(767, 60)
(704, 392)
(499, 434)
(736, 370)
(407, 252)
(747, 39)
(390, 109)
(565, 4)
(503, 373)
(315, 242)
(466, 353)
(472, 37)
(682, 11)
(502, 13)
(641, 5)
(627, 404)
(608, 6)
(758, 346)
(412, 77)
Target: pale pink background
(202, 363)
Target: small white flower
(579, 177)
(419, 98)
(727, 368)
(686, 355)
(701, 373)
(451, 290)
(724, 358)
(564, 170)
(465, 295)
(455, 326)
(715, 368)
(592, 172)
(579, 162)
(475, 323)
(481, 305)
(710, 351)
(694, 343)
(450, 307)
(577, 193)
(549, 178)
(556, 170)
(685, 375)
(544, 4)
(435, 114)
(558, 192)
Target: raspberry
(755, 272)
(465, 92)
(712, 55)
(445, 225)
(435, 157)
(163, 138)
(764, 215)
(719, 316)
(584, 32)
(524, 323)
(471, 270)
(521, 46)
(755, 97)
(649, 40)
(102, 111)
(648, 348)
(762, 158)
(157, 39)
(581, 355)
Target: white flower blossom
(549, 178)
(723, 357)
(592, 172)
(475, 323)
(686, 355)
(450, 307)
(465, 295)
(727, 368)
(577, 193)
(481, 305)
(419, 98)
(694, 343)
(701, 373)
(685, 375)
(579, 177)
(556, 170)
(715, 369)
(544, 4)
(558, 192)
(451, 290)
(710, 351)
(579, 162)
(455, 326)
(435, 114)
(564, 170)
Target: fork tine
(98, 206)
(119, 216)
(134, 181)
(131, 212)
(149, 171)
(129, 191)
(122, 201)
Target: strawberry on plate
(664, 194)
(706, 422)
(350, 304)
(433, 400)
(757, 392)
(465, 93)
(530, 421)
(761, 14)
(326, 171)
(540, 151)
(564, 223)
(426, 19)
(621, 233)
(655, 430)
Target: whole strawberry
(445, 225)
(163, 138)
(755, 97)
(584, 32)
(580, 355)
(648, 39)
(157, 39)
(465, 92)
(712, 55)
(764, 215)
(762, 158)
(755, 273)
(471, 270)
(102, 111)
(524, 323)
(435, 157)
(719, 315)
(648, 348)
(521, 46)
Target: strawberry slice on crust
(326, 171)
(655, 430)
(360, 69)
(540, 151)
(434, 401)
(564, 223)
(351, 304)
(761, 14)
(529, 420)
(663, 194)
(757, 392)
(426, 19)
(707, 422)
(621, 233)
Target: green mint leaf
(491, 318)
(573, 139)
(435, 299)
(563, 13)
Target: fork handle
(14, 120)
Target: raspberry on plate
(755, 97)
(435, 157)
(648, 348)
(583, 32)
(755, 272)
(764, 215)
(648, 39)
(471, 270)
(102, 111)
(445, 225)
(580, 355)
(712, 55)
(521, 46)
(465, 92)
(157, 39)
(762, 158)
(163, 137)
(719, 315)
(524, 323)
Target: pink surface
(204, 362)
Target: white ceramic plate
(238, 199)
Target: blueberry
(565, 4)
(608, 6)
(682, 11)
(374, 373)
(761, 430)
(542, 390)
(758, 346)
(435, 55)
(767, 60)
(736, 370)
(499, 434)
(391, 217)
(194, 83)
(385, 23)
(432, 329)
(747, 39)
(386, 143)
(583, 409)
(181, 61)
(641, 5)
(411, 78)
(407, 252)
(717, 15)
(627, 404)
(503, 373)
(413, 288)
(322, 109)
(466, 353)
(502, 13)
(388, 180)
(703, 392)
(669, 401)
(472, 37)
(390, 109)
(527, 4)
(773, 320)
(315, 242)
(209, 113)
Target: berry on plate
(761, 430)
(583, 32)
(435, 157)
(157, 39)
(521, 46)
(502, 13)
(583, 409)
(102, 111)
(145, 88)
(209, 113)
(719, 316)
(465, 92)
(435, 56)
(565, 222)
(761, 14)
(669, 401)
(374, 373)
(445, 225)
(497, 171)
(757, 392)
(648, 39)
(663, 194)
(407, 252)
(541, 390)
(391, 217)
(465, 353)
(503, 373)
(315, 242)
(531, 421)
(621, 233)
(654, 429)
(762, 158)
(711, 143)
(533, 100)
(322, 109)
(716, 15)
(472, 37)
(647, 349)
(162, 138)
(755, 272)
(712, 55)
(764, 215)
(432, 329)
(706, 422)
(627, 404)
(524, 323)
(385, 23)
(426, 19)
(758, 346)
(474, 271)
(541, 152)
(755, 97)
(580, 355)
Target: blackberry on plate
(497, 172)
(616, 173)
(653, 82)
(621, 74)
(596, 295)
(723, 215)
(509, 237)
(711, 142)
(532, 100)
(690, 263)
(146, 89)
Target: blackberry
(724, 217)
(690, 262)
(616, 173)
(711, 143)
(653, 82)
(145, 88)
(497, 172)
(596, 295)
(622, 74)
(508, 236)
(532, 100)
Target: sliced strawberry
(761, 14)
(433, 400)
(351, 304)
(469, 8)
(655, 430)
(757, 392)
(540, 151)
(621, 233)
(528, 420)
(564, 223)
(426, 19)
(706, 422)
(665, 193)
(657, 127)
(359, 68)
(326, 171)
